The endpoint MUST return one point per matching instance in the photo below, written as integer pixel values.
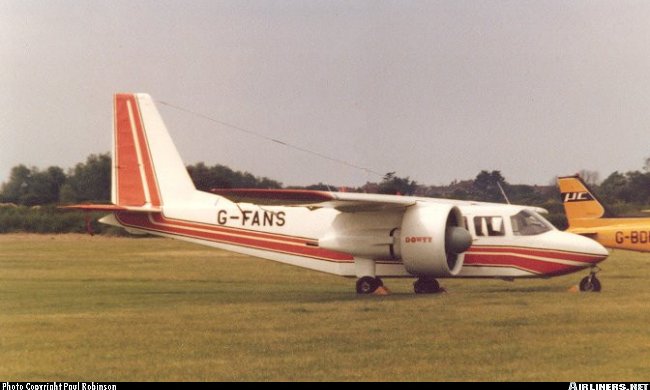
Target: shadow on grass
(523, 289)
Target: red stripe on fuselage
(275, 243)
(549, 253)
(535, 266)
(517, 257)
(158, 218)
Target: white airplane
(349, 234)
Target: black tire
(419, 287)
(590, 284)
(367, 285)
(426, 286)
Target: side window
(489, 226)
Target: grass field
(75, 307)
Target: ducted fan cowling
(431, 239)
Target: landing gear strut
(427, 286)
(591, 283)
(368, 285)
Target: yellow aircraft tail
(580, 203)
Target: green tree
(525, 194)
(486, 186)
(639, 187)
(30, 186)
(89, 181)
(614, 188)
(16, 187)
(392, 184)
(45, 187)
(219, 176)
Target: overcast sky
(435, 90)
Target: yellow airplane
(588, 216)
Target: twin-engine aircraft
(354, 235)
(588, 216)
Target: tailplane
(579, 201)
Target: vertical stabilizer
(147, 169)
(579, 201)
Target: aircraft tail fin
(147, 169)
(579, 200)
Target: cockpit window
(489, 226)
(527, 223)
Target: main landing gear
(368, 285)
(591, 283)
(427, 286)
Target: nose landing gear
(591, 283)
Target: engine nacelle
(431, 238)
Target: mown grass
(74, 308)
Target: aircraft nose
(591, 248)
(597, 248)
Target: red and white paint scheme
(349, 234)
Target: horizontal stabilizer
(110, 207)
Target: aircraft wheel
(368, 285)
(590, 283)
(426, 286)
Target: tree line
(30, 195)
(29, 198)
(91, 182)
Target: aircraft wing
(342, 201)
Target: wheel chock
(381, 290)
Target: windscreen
(528, 223)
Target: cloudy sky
(435, 90)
